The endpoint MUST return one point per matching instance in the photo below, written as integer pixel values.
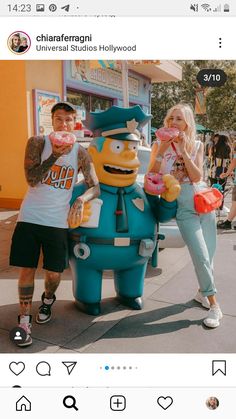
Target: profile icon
(17, 336)
(212, 403)
(19, 42)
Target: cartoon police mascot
(120, 234)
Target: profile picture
(212, 403)
(19, 42)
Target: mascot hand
(79, 213)
(173, 188)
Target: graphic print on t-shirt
(59, 177)
(178, 169)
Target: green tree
(220, 101)
(167, 94)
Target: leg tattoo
(25, 297)
(52, 280)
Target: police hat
(119, 123)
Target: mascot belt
(115, 241)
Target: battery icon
(226, 8)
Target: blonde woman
(183, 158)
(15, 42)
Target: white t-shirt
(48, 202)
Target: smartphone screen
(117, 209)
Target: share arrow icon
(69, 366)
(66, 8)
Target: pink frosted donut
(165, 134)
(62, 138)
(153, 184)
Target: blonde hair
(188, 116)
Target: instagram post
(117, 206)
(117, 209)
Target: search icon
(70, 402)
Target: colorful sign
(43, 103)
(200, 102)
(106, 77)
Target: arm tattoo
(34, 169)
(87, 167)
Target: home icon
(23, 404)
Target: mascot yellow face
(116, 161)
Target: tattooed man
(51, 172)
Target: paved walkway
(170, 321)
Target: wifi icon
(206, 7)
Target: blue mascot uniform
(126, 233)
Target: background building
(30, 88)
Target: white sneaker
(214, 316)
(202, 300)
(224, 211)
(25, 323)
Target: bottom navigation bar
(105, 402)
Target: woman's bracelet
(159, 158)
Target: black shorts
(27, 241)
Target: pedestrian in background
(227, 224)
(220, 156)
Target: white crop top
(48, 202)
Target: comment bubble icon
(43, 368)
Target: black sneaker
(44, 313)
(224, 225)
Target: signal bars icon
(217, 8)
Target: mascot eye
(117, 146)
(133, 146)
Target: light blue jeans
(199, 234)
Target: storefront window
(100, 104)
(79, 99)
(88, 101)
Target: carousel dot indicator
(106, 367)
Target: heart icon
(165, 402)
(17, 367)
